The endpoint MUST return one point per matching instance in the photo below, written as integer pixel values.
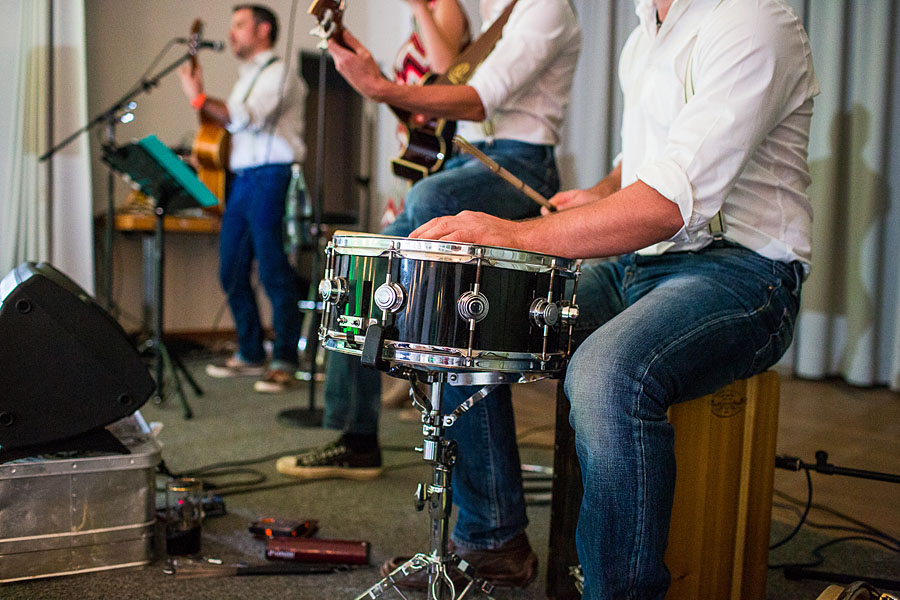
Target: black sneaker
(335, 460)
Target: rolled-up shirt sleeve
(531, 39)
(740, 86)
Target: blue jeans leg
(675, 327)
(487, 478)
(252, 228)
(235, 269)
(466, 184)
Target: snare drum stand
(441, 454)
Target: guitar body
(211, 149)
(428, 145)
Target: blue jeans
(665, 329)
(487, 483)
(252, 228)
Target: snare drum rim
(440, 357)
(453, 252)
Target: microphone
(215, 45)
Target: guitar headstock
(196, 34)
(330, 16)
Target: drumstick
(520, 185)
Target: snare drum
(445, 305)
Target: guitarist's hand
(355, 63)
(191, 80)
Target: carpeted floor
(232, 423)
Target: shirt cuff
(668, 179)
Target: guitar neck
(402, 114)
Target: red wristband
(198, 101)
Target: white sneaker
(235, 366)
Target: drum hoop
(452, 252)
(448, 357)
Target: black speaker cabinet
(66, 367)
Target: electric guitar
(428, 145)
(212, 144)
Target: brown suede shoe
(513, 564)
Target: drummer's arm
(627, 220)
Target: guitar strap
(271, 60)
(465, 63)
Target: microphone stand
(312, 416)
(109, 116)
(822, 465)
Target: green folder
(160, 174)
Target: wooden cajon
(719, 536)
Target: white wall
(123, 38)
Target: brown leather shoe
(514, 564)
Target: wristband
(198, 101)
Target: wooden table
(144, 223)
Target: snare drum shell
(429, 316)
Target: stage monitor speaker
(67, 368)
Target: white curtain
(850, 321)
(45, 207)
(849, 324)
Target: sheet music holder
(162, 176)
(159, 174)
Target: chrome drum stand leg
(440, 562)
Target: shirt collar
(256, 62)
(646, 13)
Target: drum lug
(390, 297)
(568, 313)
(473, 306)
(334, 290)
(544, 313)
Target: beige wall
(123, 38)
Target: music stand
(161, 175)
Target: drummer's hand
(570, 199)
(356, 65)
(471, 228)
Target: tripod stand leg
(176, 360)
(165, 360)
(440, 563)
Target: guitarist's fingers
(351, 42)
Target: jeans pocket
(779, 318)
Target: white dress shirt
(254, 140)
(718, 104)
(525, 84)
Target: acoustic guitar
(428, 144)
(212, 144)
